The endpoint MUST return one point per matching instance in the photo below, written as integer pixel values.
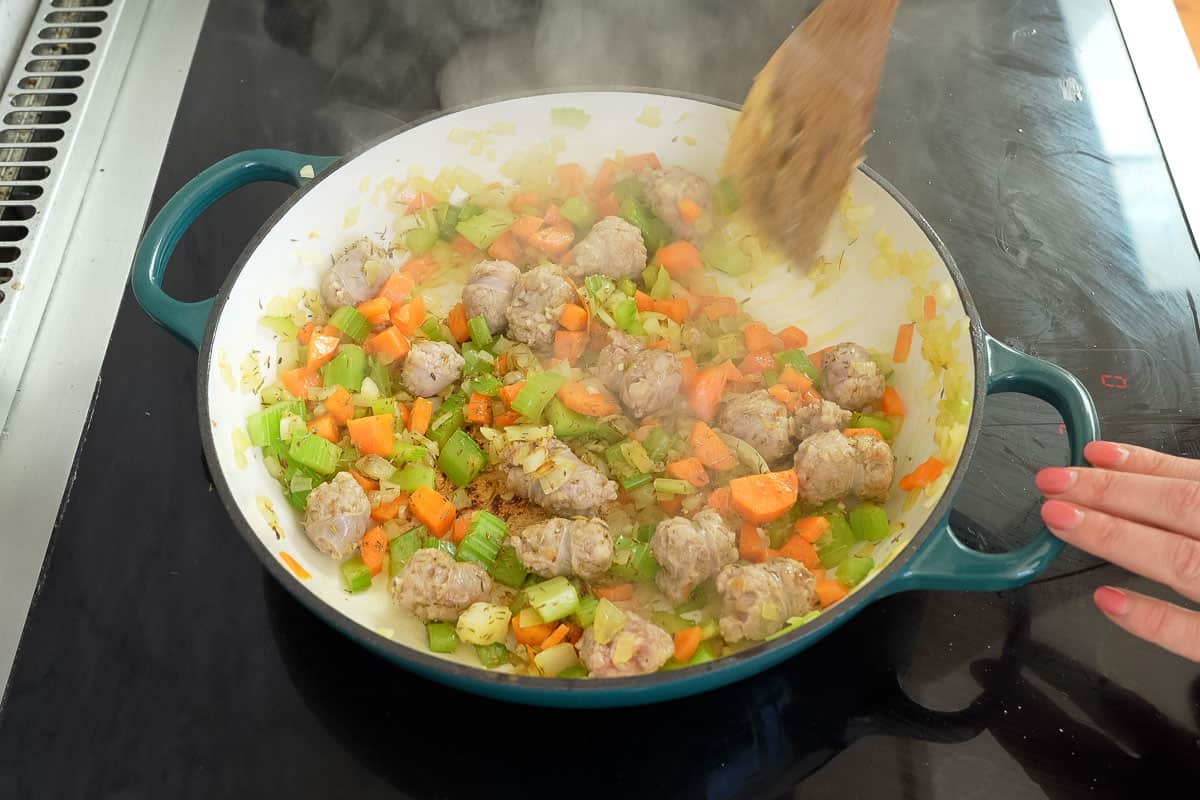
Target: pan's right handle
(188, 320)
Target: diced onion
(374, 466)
(553, 660)
(483, 624)
(559, 473)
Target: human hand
(1139, 509)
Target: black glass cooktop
(161, 660)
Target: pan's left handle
(188, 320)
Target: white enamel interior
(352, 202)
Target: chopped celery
(445, 545)
(569, 118)
(580, 212)
(725, 194)
(635, 453)
(670, 622)
(412, 476)
(481, 335)
(570, 424)
(486, 227)
(633, 559)
(575, 672)
(628, 187)
(448, 219)
(608, 621)
(420, 240)
(383, 405)
(780, 530)
(625, 314)
(771, 377)
(442, 637)
(654, 231)
(553, 599)
(708, 650)
(600, 287)
(635, 481)
(617, 462)
(282, 326)
(885, 427)
(658, 282)
(448, 419)
(404, 453)
(835, 544)
(350, 321)
(401, 548)
(869, 522)
(854, 569)
(698, 600)
(645, 531)
(488, 384)
(798, 360)
(319, 455)
(539, 388)
(585, 614)
(673, 486)
(657, 443)
(507, 568)
(355, 575)
(725, 256)
(461, 459)
(381, 375)
(347, 368)
(262, 427)
(433, 330)
(794, 623)
(627, 287)
(492, 655)
(484, 536)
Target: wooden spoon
(806, 119)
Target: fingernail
(1111, 601)
(1106, 454)
(1055, 480)
(1061, 516)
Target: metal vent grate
(52, 118)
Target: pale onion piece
(488, 433)
(528, 433)
(369, 390)
(557, 476)
(534, 461)
(241, 443)
(406, 223)
(483, 624)
(623, 648)
(289, 425)
(771, 612)
(273, 467)
(609, 620)
(307, 171)
(554, 660)
(460, 499)
(529, 617)
(374, 466)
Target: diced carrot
(374, 435)
(402, 410)
(463, 246)
(419, 269)
(502, 364)
(817, 359)
(389, 510)
(391, 344)
(509, 392)
(757, 363)
(325, 426)
(720, 307)
(764, 497)
(375, 310)
(420, 416)
(671, 505)
(523, 200)
(531, 635)
(614, 592)
(644, 301)
(706, 392)
(554, 218)
(930, 307)
(422, 200)
(674, 308)
(794, 379)
(573, 317)
(432, 510)
(731, 370)
(574, 632)
(688, 371)
(506, 419)
(505, 248)
(660, 344)
(560, 633)
(608, 205)
(552, 240)
(461, 525)
(718, 500)
(689, 469)
(409, 316)
(689, 210)
(801, 550)
(298, 381)
(852, 432)
(760, 339)
(570, 179)
(752, 545)
(679, 258)
(366, 483)
(786, 396)
(709, 448)
(830, 591)
(904, 341)
(686, 643)
(322, 347)
(479, 409)
(642, 161)
(793, 337)
(569, 345)
(456, 321)
(306, 331)
(525, 227)
(923, 475)
(294, 565)
(811, 528)
(588, 400)
(371, 549)
(605, 177)
(397, 289)
(339, 405)
(891, 404)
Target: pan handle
(944, 562)
(188, 320)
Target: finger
(1172, 504)
(1128, 458)
(1166, 625)
(1156, 554)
